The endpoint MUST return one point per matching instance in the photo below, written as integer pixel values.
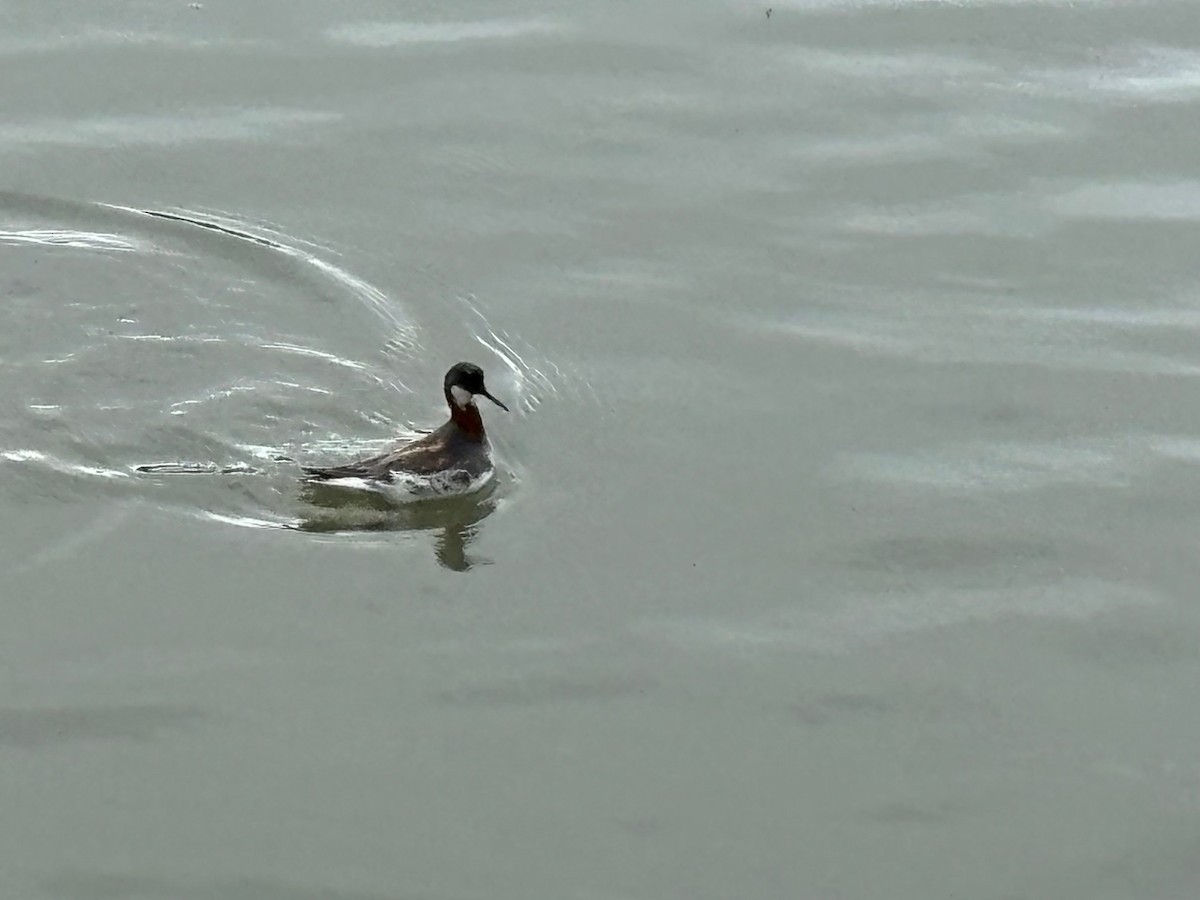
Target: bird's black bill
(494, 400)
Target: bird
(455, 458)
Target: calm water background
(845, 543)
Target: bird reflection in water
(455, 519)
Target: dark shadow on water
(38, 728)
(455, 520)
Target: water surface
(842, 545)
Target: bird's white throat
(462, 398)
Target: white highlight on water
(84, 240)
(392, 34)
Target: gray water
(843, 544)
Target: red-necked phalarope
(453, 459)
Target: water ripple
(148, 130)
(393, 34)
(868, 620)
(57, 237)
(1002, 467)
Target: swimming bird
(452, 459)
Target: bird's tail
(330, 473)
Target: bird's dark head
(463, 383)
